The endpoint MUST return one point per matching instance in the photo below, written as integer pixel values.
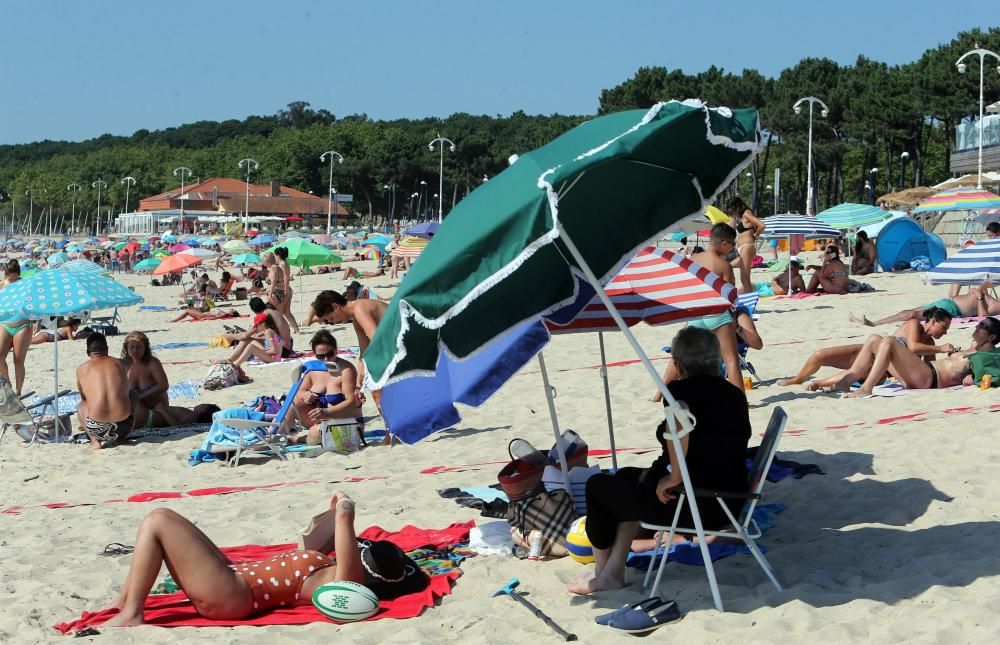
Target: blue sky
(75, 70)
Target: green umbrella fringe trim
(407, 311)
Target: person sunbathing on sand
(201, 309)
(66, 331)
(269, 348)
(256, 331)
(779, 283)
(220, 589)
(171, 416)
(912, 371)
(976, 303)
(831, 277)
(917, 336)
(327, 395)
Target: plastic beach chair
(747, 302)
(268, 431)
(107, 325)
(14, 413)
(744, 528)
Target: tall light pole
(903, 158)
(811, 100)
(872, 184)
(441, 141)
(75, 189)
(99, 184)
(179, 171)
(412, 214)
(31, 206)
(330, 192)
(129, 182)
(982, 53)
(251, 165)
(420, 198)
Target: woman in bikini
(14, 334)
(748, 229)
(147, 380)
(201, 309)
(221, 589)
(269, 348)
(327, 395)
(831, 277)
(66, 331)
(919, 337)
(978, 302)
(281, 286)
(866, 364)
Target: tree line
(876, 112)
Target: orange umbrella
(176, 263)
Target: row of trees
(877, 112)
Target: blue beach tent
(902, 239)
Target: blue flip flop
(647, 618)
(605, 619)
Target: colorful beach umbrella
(58, 292)
(849, 216)
(787, 224)
(409, 247)
(84, 265)
(716, 216)
(970, 265)
(372, 252)
(303, 253)
(160, 253)
(261, 240)
(246, 258)
(959, 199)
(501, 257)
(204, 254)
(58, 258)
(149, 264)
(176, 263)
(236, 246)
(426, 229)
(179, 248)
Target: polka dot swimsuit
(276, 582)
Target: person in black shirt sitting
(715, 453)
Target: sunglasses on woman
(323, 355)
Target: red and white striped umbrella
(656, 287)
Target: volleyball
(577, 542)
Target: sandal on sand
(117, 548)
(605, 619)
(646, 617)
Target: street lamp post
(420, 198)
(441, 141)
(179, 172)
(330, 193)
(982, 53)
(872, 184)
(251, 165)
(129, 182)
(811, 100)
(31, 207)
(75, 188)
(99, 184)
(903, 158)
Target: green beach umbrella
(147, 265)
(501, 257)
(303, 253)
(236, 246)
(848, 215)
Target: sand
(895, 542)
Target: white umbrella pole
(668, 411)
(55, 403)
(607, 401)
(555, 423)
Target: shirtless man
(779, 283)
(977, 303)
(332, 307)
(721, 241)
(831, 277)
(105, 411)
(259, 307)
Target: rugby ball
(345, 602)
(577, 542)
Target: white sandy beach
(894, 543)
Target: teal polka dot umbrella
(57, 292)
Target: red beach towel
(174, 610)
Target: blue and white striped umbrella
(83, 265)
(848, 215)
(58, 292)
(781, 226)
(971, 265)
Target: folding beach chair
(107, 325)
(223, 293)
(744, 528)
(15, 414)
(269, 431)
(747, 302)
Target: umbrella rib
(565, 189)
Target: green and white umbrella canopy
(849, 215)
(610, 185)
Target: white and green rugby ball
(345, 602)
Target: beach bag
(342, 437)
(983, 363)
(575, 448)
(221, 375)
(550, 513)
(523, 473)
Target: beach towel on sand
(174, 610)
